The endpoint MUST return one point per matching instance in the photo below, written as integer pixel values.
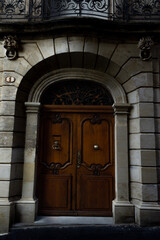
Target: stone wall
(139, 79)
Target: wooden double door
(76, 161)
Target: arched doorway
(27, 205)
(76, 158)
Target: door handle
(79, 159)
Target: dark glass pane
(76, 93)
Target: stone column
(26, 207)
(123, 210)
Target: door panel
(57, 145)
(95, 193)
(76, 161)
(56, 174)
(95, 142)
(95, 174)
(60, 195)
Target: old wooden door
(76, 161)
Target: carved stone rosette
(11, 46)
(144, 45)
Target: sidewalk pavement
(109, 232)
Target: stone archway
(123, 210)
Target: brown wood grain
(62, 188)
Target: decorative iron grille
(77, 93)
(41, 10)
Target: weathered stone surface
(134, 141)
(106, 49)
(143, 215)
(112, 69)
(149, 175)
(141, 95)
(124, 52)
(7, 108)
(157, 110)
(143, 174)
(18, 78)
(148, 157)
(26, 211)
(149, 192)
(136, 190)
(19, 65)
(146, 110)
(118, 59)
(140, 80)
(61, 45)
(4, 217)
(105, 52)
(132, 67)
(9, 93)
(2, 50)
(90, 52)
(4, 189)
(31, 53)
(157, 125)
(123, 212)
(91, 45)
(142, 110)
(143, 157)
(6, 139)
(145, 141)
(6, 155)
(1, 80)
(6, 123)
(133, 97)
(135, 173)
(157, 139)
(1, 65)
(76, 45)
(145, 94)
(46, 47)
(134, 126)
(147, 125)
(5, 172)
(157, 95)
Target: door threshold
(73, 220)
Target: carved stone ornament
(11, 46)
(144, 45)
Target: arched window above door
(76, 92)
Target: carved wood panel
(57, 143)
(96, 145)
(76, 161)
(61, 199)
(95, 193)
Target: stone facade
(134, 85)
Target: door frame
(122, 208)
(46, 113)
